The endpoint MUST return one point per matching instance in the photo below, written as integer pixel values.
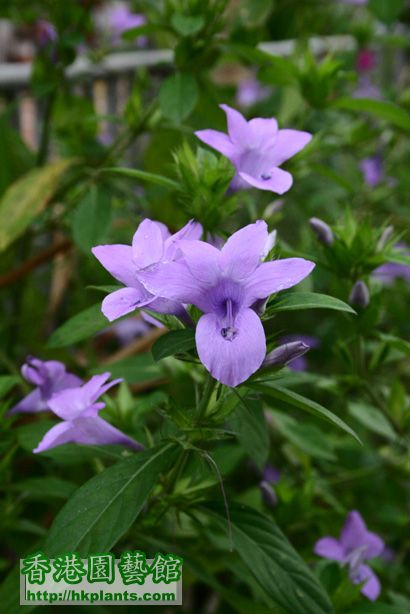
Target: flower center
(266, 176)
(355, 559)
(229, 332)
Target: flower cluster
(165, 273)
(75, 403)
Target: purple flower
(121, 19)
(271, 474)
(356, 545)
(250, 91)
(389, 272)
(256, 148)
(48, 376)
(127, 330)
(78, 408)
(299, 363)
(45, 33)
(366, 60)
(151, 244)
(225, 284)
(372, 169)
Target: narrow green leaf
(134, 173)
(386, 10)
(249, 424)
(297, 400)
(271, 560)
(45, 487)
(174, 342)
(6, 383)
(373, 419)
(178, 96)
(135, 369)
(81, 326)
(26, 198)
(307, 437)
(384, 110)
(104, 508)
(399, 344)
(294, 301)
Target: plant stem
(45, 132)
(207, 393)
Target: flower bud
(268, 494)
(285, 353)
(384, 237)
(359, 295)
(323, 232)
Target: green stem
(45, 132)
(203, 404)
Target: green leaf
(296, 400)
(134, 173)
(386, 10)
(26, 198)
(271, 560)
(6, 383)
(294, 301)
(397, 343)
(174, 342)
(92, 219)
(134, 370)
(307, 437)
(104, 508)
(81, 326)
(249, 424)
(187, 24)
(47, 486)
(16, 158)
(375, 608)
(373, 419)
(387, 111)
(178, 96)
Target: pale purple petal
(275, 180)
(289, 143)
(219, 141)
(174, 280)
(117, 259)
(262, 133)
(147, 244)
(124, 301)
(353, 532)
(329, 548)
(231, 360)
(190, 232)
(68, 404)
(31, 403)
(244, 250)
(372, 588)
(61, 433)
(275, 276)
(237, 126)
(67, 381)
(35, 371)
(96, 431)
(202, 259)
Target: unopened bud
(285, 353)
(384, 237)
(359, 295)
(322, 231)
(268, 494)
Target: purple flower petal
(174, 281)
(244, 250)
(33, 402)
(275, 180)
(219, 141)
(202, 259)
(237, 125)
(61, 433)
(124, 301)
(288, 144)
(262, 133)
(276, 275)
(372, 588)
(190, 232)
(96, 431)
(231, 355)
(355, 533)
(147, 244)
(329, 548)
(117, 260)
